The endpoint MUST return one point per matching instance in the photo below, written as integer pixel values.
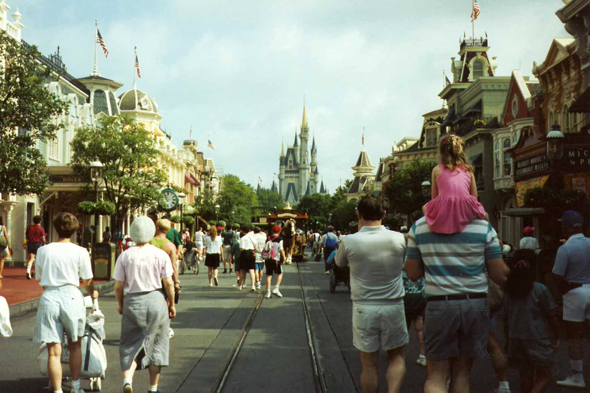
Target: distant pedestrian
(142, 275)
(316, 241)
(235, 258)
(60, 266)
(414, 307)
(199, 242)
(572, 275)
(376, 257)
(174, 236)
(274, 262)
(329, 244)
(227, 236)
(530, 321)
(35, 236)
(6, 250)
(454, 192)
(288, 234)
(260, 243)
(456, 269)
(106, 235)
(186, 236)
(248, 256)
(213, 255)
(528, 241)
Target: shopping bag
(5, 327)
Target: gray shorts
(379, 325)
(61, 309)
(524, 353)
(463, 333)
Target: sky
(238, 71)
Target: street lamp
(426, 188)
(181, 196)
(217, 212)
(95, 176)
(555, 143)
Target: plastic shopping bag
(5, 327)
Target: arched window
(497, 159)
(507, 158)
(477, 69)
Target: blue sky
(238, 70)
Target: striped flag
(137, 64)
(100, 41)
(210, 144)
(476, 11)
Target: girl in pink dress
(454, 193)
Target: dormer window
(477, 69)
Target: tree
(27, 117)
(236, 200)
(318, 207)
(205, 205)
(131, 175)
(404, 191)
(269, 201)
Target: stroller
(190, 259)
(339, 276)
(94, 358)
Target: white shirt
(316, 237)
(213, 246)
(261, 242)
(248, 242)
(60, 264)
(199, 237)
(529, 243)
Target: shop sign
(67, 179)
(577, 181)
(532, 165)
(522, 187)
(578, 157)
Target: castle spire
(313, 144)
(296, 142)
(304, 121)
(283, 147)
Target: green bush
(213, 223)
(573, 200)
(221, 223)
(540, 197)
(188, 221)
(175, 219)
(86, 207)
(105, 208)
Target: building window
(477, 69)
(54, 148)
(515, 138)
(507, 159)
(497, 159)
(515, 106)
(431, 137)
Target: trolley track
(318, 371)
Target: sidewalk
(23, 295)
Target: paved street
(274, 357)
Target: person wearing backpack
(329, 244)
(228, 237)
(274, 254)
(4, 245)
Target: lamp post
(555, 141)
(217, 212)
(181, 196)
(426, 185)
(95, 176)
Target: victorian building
(363, 182)
(298, 172)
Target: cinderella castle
(298, 173)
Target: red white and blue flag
(137, 64)
(476, 11)
(101, 42)
(210, 144)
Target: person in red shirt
(35, 239)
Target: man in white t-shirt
(199, 242)
(317, 245)
(248, 244)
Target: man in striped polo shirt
(456, 268)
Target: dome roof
(144, 102)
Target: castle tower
(314, 176)
(282, 165)
(473, 61)
(304, 154)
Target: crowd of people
(449, 266)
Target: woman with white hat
(140, 273)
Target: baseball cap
(529, 230)
(572, 219)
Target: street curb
(20, 309)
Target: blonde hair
(213, 232)
(163, 224)
(452, 153)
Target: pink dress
(454, 207)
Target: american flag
(137, 64)
(363, 139)
(100, 41)
(476, 11)
(210, 144)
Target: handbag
(3, 240)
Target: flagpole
(473, 21)
(135, 77)
(95, 71)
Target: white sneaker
(210, 284)
(171, 332)
(254, 289)
(268, 295)
(276, 292)
(77, 391)
(422, 361)
(573, 381)
(258, 286)
(327, 272)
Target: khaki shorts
(379, 325)
(576, 304)
(61, 309)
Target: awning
(522, 187)
(196, 181)
(449, 117)
(475, 108)
(582, 104)
(523, 211)
(476, 160)
(190, 178)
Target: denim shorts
(463, 333)
(260, 266)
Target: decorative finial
(16, 16)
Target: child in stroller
(190, 259)
(338, 275)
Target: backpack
(3, 240)
(330, 241)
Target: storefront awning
(523, 211)
(475, 108)
(522, 187)
(582, 104)
(449, 117)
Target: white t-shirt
(199, 237)
(529, 243)
(316, 237)
(261, 242)
(248, 242)
(213, 246)
(60, 264)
